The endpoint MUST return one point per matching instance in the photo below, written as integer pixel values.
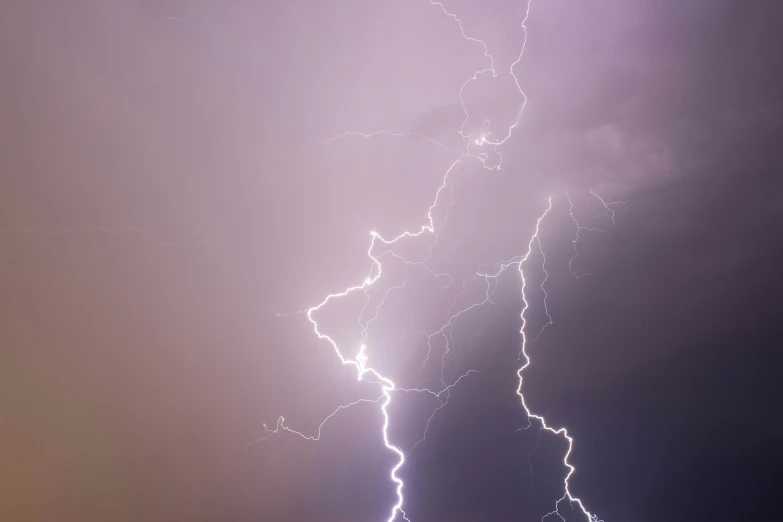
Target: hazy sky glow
(181, 180)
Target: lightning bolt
(366, 373)
(540, 418)
(381, 247)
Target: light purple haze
(165, 189)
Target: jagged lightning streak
(519, 262)
(540, 418)
(361, 361)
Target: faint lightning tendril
(360, 362)
(608, 206)
(486, 136)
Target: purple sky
(165, 187)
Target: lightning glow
(476, 144)
(543, 290)
(361, 362)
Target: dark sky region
(161, 191)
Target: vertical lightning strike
(540, 418)
(361, 361)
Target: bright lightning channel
(365, 372)
(559, 431)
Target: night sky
(171, 200)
